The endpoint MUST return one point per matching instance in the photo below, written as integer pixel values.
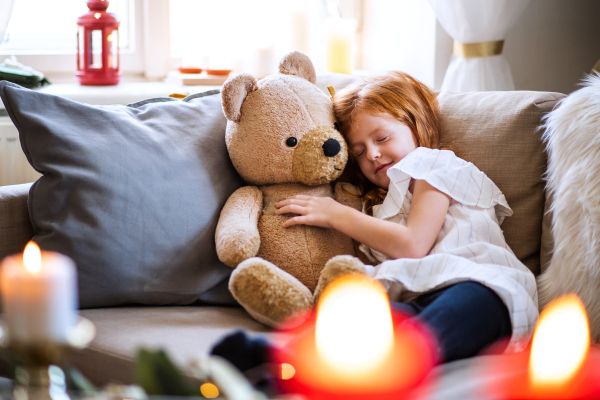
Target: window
(157, 35)
(46, 27)
(43, 35)
(249, 35)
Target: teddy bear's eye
(336, 126)
(291, 141)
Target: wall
(550, 48)
(553, 44)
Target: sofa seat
(185, 333)
(188, 333)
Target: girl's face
(379, 141)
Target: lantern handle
(97, 5)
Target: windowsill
(126, 92)
(131, 89)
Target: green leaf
(76, 381)
(157, 375)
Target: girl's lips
(383, 167)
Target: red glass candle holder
(404, 373)
(508, 377)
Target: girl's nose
(373, 153)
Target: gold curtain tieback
(481, 49)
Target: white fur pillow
(573, 143)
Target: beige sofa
(497, 131)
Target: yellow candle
(340, 44)
(39, 296)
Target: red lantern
(98, 46)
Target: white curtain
(476, 21)
(5, 13)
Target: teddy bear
(282, 140)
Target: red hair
(399, 96)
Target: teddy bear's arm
(237, 237)
(342, 197)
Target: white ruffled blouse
(470, 245)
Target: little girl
(431, 219)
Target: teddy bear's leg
(336, 267)
(269, 294)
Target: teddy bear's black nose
(331, 147)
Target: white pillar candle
(39, 296)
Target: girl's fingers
(295, 221)
(291, 209)
(288, 202)
(299, 199)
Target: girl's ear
(298, 64)
(234, 92)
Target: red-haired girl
(430, 220)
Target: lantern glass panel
(95, 44)
(113, 55)
(80, 48)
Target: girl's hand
(316, 211)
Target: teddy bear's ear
(234, 92)
(298, 63)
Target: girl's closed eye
(358, 152)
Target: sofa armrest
(15, 227)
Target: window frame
(59, 64)
(150, 57)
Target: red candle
(354, 347)
(558, 364)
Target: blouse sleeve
(442, 169)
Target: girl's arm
(427, 213)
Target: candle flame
(97, 15)
(354, 324)
(209, 390)
(560, 342)
(109, 38)
(287, 371)
(32, 257)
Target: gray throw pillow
(131, 193)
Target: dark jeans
(465, 317)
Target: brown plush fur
(308, 164)
(274, 285)
(236, 90)
(281, 107)
(298, 64)
(335, 268)
(270, 295)
(237, 237)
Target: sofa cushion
(131, 193)
(498, 132)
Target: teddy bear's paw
(335, 268)
(269, 294)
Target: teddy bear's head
(281, 128)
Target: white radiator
(14, 167)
